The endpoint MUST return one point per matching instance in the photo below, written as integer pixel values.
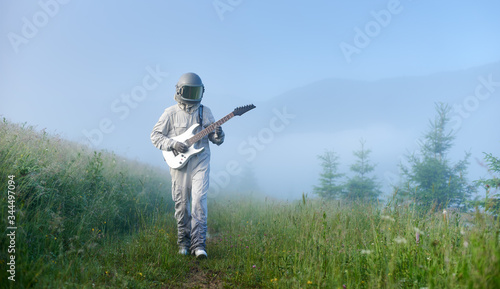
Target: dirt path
(199, 278)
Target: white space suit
(190, 183)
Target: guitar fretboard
(190, 141)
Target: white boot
(200, 254)
(183, 251)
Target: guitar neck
(190, 141)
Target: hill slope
(64, 197)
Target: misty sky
(74, 67)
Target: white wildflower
(367, 252)
(388, 218)
(417, 230)
(400, 240)
(466, 244)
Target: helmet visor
(192, 93)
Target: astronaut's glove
(180, 146)
(217, 136)
(218, 132)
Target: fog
(322, 75)
(283, 137)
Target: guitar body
(177, 160)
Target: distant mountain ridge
(391, 114)
(401, 100)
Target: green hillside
(69, 198)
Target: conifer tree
(491, 202)
(363, 185)
(329, 187)
(429, 177)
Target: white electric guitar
(177, 160)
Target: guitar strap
(200, 115)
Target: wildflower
(388, 218)
(254, 266)
(309, 282)
(418, 230)
(466, 244)
(400, 240)
(417, 234)
(367, 252)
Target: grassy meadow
(94, 220)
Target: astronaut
(189, 183)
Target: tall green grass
(91, 220)
(308, 244)
(316, 244)
(69, 198)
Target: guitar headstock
(242, 109)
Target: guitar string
(208, 129)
